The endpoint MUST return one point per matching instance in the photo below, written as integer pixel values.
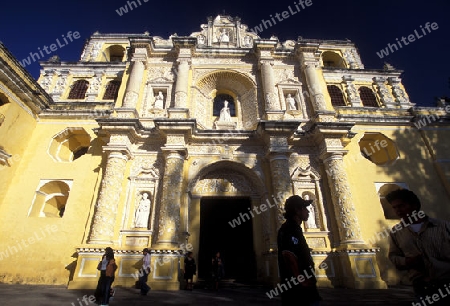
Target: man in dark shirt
(294, 257)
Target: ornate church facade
(194, 143)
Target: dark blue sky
(371, 25)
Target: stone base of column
(91, 97)
(358, 268)
(126, 113)
(178, 113)
(274, 115)
(164, 275)
(165, 269)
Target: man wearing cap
(298, 283)
(143, 276)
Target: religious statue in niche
(247, 41)
(201, 39)
(290, 102)
(223, 36)
(142, 212)
(159, 101)
(311, 222)
(225, 112)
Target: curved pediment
(225, 31)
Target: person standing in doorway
(294, 256)
(217, 270)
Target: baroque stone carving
(342, 200)
(94, 85)
(60, 84)
(130, 99)
(46, 82)
(169, 221)
(106, 208)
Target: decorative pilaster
(94, 87)
(169, 219)
(60, 86)
(276, 135)
(102, 231)
(281, 181)
(346, 219)
(134, 82)
(400, 95)
(384, 93)
(352, 93)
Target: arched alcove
(235, 84)
(50, 199)
(115, 53)
(69, 144)
(332, 60)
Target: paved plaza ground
(19, 295)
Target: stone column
(281, 182)
(181, 87)
(169, 218)
(102, 230)
(347, 221)
(400, 95)
(135, 79)
(272, 102)
(384, 93)
(352, 93)
(314, 86)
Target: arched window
(337, 98)
(50, 199)
(218, 104)
(78, 90)
(112, 89)
(3, 100)
(368, 97)
(69, 144)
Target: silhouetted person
(217, 270)
(190, 269)
(420, 245)
(294, 257)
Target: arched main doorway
(222, 218)
(223, 229)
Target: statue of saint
(142, 212)
(290, 101)
(225, 112)
(201, 39)
(311, 222)
(159, 101)
(223, 37)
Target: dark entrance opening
(218, 232)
